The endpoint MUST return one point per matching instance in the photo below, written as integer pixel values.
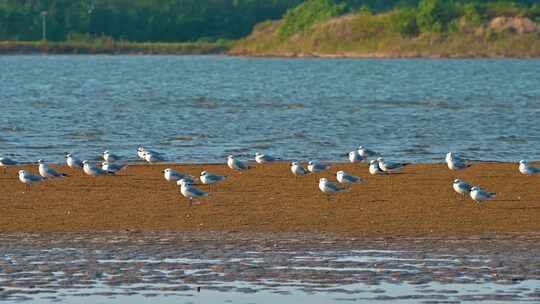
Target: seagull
(113, 168)
(315, 167)
(189, 191)
(141, 151)
(390, 167)
(329, 187)
(479, 195)
(92, 170)
(461, 187)
(525, 169)
(263, 158)
(297, 169)
(109, 157)
(354, 157)
(47, 172)
(152, 157)
(208, 178)
(28, 178)
(72, 161)
(172, 175)
(374, 168)
(236, 164)
(366, 153)
(345, 178)
(456, 163)
(7, 162)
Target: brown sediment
(268, 198)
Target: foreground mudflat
(264, 268)
(268, 198)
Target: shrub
(404, 22)
(308, 13)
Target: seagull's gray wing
(8, 162)
(351, 179)
(334, 187)
(196, 192)
(215, 178)
(240, 165)
(34, 178)
(464, 186)
(55, 173)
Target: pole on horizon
(44, 25)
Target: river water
(202, 108)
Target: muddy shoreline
(419, 202)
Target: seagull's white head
(310, 163)
(323, 180)
(361, 148)
(85, 162)
(106, 152)
(475, 188)
(373, 161)
(380, 159)
(258, 154)
(294, 163)
(340, 172)
(204, 173)
(182, 182)
(523, 162)
(41, 161)
(22, 172)
(230, 157)
(457, 181)
(352, 153)
(167, 170)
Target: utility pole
(44, 25)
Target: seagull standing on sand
(354, 157)
(524, 168)
(47, 172)
(7, 162)
(479, 195)
(92, 170)
(236, 164)
(329, 187)
(461, 187)
(141, 152)
(456, 163)
(263, 158)
(297, 169)
(72, 161)
(189, 191)
(390, 167)
(109, 157)
(374, 168)
(345, 178)
(315, 167)
(28, 178)
(113, 168)
(366, 153)
(208, 178)
(172, 175)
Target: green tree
(308, 13)
(434, 15)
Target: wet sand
(268, 198)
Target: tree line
(212, 20)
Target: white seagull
(461, 187)
(390, 167)
(109, 157)
(189, 191)
(315, 167)
(524, 168)
(152, 157)
(141, 152)
(47, 172)
(374, 168)
(329, 187)
(236, 164)
(354, 157)
(7, 162)
(345, 178)
(366, 153)
(455, 163)
(172, 175)
(72, 161)
(263, 158)
(479, 195)
(113, 168)
(28, 178)
(297, 169)
(92, 170)
(208, 178)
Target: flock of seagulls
(377, 166)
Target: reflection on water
(200, 109)
(258, 268)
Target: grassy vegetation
(101, 46)
(432, 29)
